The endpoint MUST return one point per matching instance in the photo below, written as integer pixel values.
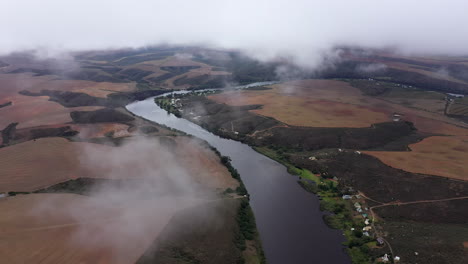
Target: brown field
(191, 74)
(435, 126)
(435, 106)
(201, 163)
(100, 130)
(44, 162)
(329, 103)
(27, 81)
(177, 61)
(407, 67)
(308, 104)
(442, 61)
(440, 155)
(458, 109)
(106, 233)
(31, 111)
(174, 61)
(38, 163)
(204, 164)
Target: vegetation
(245, 218)
(5, 104)
(8, 132)
(202, 234)
(244, 69)
(167, 104)
(99, 116)
(82, 186)
(248, 232)
(241, 190)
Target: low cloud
(371, 68)
(122, 219)
(302, 29)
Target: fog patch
(371, 68)
(124, 218)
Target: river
(288, 218)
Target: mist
(122, 219)
(303, 30)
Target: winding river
(288, 218)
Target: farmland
(330, 103)
(319, 107)
(71, 125)
(443, 156)
(71, 236)
(309, 126)
(27, 166)
(65, 133)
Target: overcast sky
(301, 28)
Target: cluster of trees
(241, 190)
(167, 105)
(247, 231)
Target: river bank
(289, 219)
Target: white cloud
(264, 28)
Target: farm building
(396, 117)
(380, 241)
(346, 197)
(456, 95)
(385, 258)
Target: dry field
(177, 61)
(13, 83)
(108, 232)
(323, 103)
(430, 105)
(441, 155)
(317, 103)
(442, 61)
(38, 163)
(100, 130)
(406, 67)
(458, 109)
(44, 162)
(30, 111)
(204, 164)
(329, 103)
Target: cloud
(371, 68)
(125, 217)
(264, 28)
